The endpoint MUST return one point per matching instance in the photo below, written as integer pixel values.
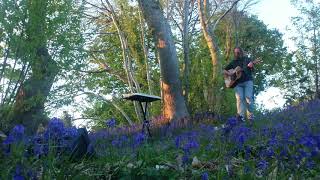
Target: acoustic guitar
(236, 73)
(231, 80)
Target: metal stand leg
(146, 123)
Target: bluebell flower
(111, 122)
(240, 135)
(9, 140)
(119, 142)
(32, 175)
(204, 176)
(232, 122)
(55, 129)
(247, 153)
(16, 135)
(18, 177)
(191, 144)
(269, 152)
(178, 141)
(187, 141)
(310, 164)
(70, 132)
(273, 142)
(185, 158)
(314, 152)
(18, 173)
(308, 141)
(287, 134)
(139, 138)
(284, 153)
(39, 146)
(262, 165)
(115, 142)
(303, 154)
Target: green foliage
(106, 49)
(40, 40)
(301, 70)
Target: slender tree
(174, 107)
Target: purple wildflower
(55, 129)
(111, 122)
(15, 135)
(204, 176)
(17, 175)
(139, 138)
(262, 165)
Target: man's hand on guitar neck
(257, 61)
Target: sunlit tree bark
(174, 107)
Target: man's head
(238, 53)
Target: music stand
(142, 98)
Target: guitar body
(231, 81)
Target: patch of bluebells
(240, 135)
(56, 135)
(290, 138)
(139, 138)
(16, 135)
(207, 131)
(230, 124)
(120, 142)
(187, 142)
(55, 130)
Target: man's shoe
(240, 118)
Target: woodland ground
(278, 145)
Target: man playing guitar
(238, 74)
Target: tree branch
(224, 14)
(109, 101)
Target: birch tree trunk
(186, 48)
(208, 28)
(174, 107)
(133, 83)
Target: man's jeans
(244, 96)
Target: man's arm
(252, 63)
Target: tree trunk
(32, 94)
(145, 53)
(133, 83)
(216, 64)
(213, 48)
(186, 52)
(208, 32)
(174, 107)
(315, 56)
